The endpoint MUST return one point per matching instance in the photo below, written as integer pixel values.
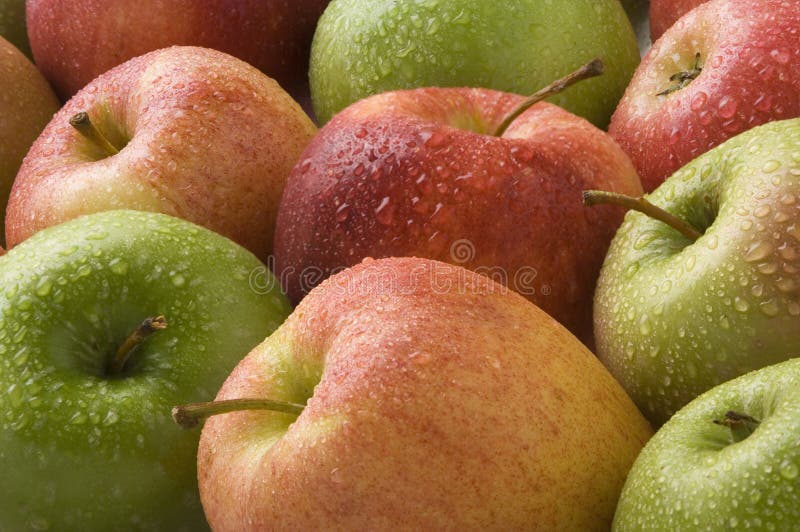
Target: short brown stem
(595, 197)
(85, 127)
(139, 335)
(741, 425)
(589, 70)
(189, 415)
(681, 79)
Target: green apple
(423, 397)
(728, 460)
(86, 438)
(364, 47)
(12, 24)
(673, 317)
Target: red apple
(664, 13)
(429, 398)
(73, 42)
(201, 135)
(419, 173)
(27, 104)
(725, 67)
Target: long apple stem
(595, 197)
(139, 335)
(591, 69)
(741, 425)
(85, 127)
(189, 415)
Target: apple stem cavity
(139, 335)
(189, 415)
(681, 79)
(85, 127)
(595, 197)
(591, 69)
(741, 425)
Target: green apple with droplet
(677, 312)
(86, 437)
(728, 460)
(365, 47)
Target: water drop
(788, 470)
(758, 251)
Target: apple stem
(741, 425)
(589, 70)
(85, 127)
(189, 415)
(595, 197)
(139, 335)
(681, 79)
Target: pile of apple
(396, 291)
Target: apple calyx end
(682, 79)
(190, 415)
(83, 124)
(741, 425)
(641, 204)
(139, 335)
(593, 68)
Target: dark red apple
(419, 173)
(73, 42)
(664, 13)
(723, 68)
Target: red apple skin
(395, 175)
(74, 42)
(441, 400)
(27, 103)
(664, 13)
(750, 55)
(210, 139)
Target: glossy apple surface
(749, 74)
(419, 173)
(74, 42)
(698, 475)
(27, 104)
(365, 47)
(84, 447)
(435, 398)
(674, 318)
(664, 13)
(201, 135)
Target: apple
(728, 460)
(186, 131)
(12, 24)
(664, 13)
(677, 314)
(86, 438)
(417, 395)
(364, 47)
(27, 104)
(76, 41)
(423, 173)
(723, 68)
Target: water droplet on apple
(712, 242)
(178, 280)
(758, 251)
(789, 470)
(770, 307)
(740, 304)
(384, 212)
(727, 107)
(781, 55)
(118, 266)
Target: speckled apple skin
(74, 42)
(27, 104)
(664, 13)
(750, 54)
(437, 399)
(411, 173)
(210, 139)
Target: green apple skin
(364, 47)
(83, 450)
(674, 318)
(12, 24)
(692, 476)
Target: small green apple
(728, 460)
(674, 317)
(364, 47)
(86, 438)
